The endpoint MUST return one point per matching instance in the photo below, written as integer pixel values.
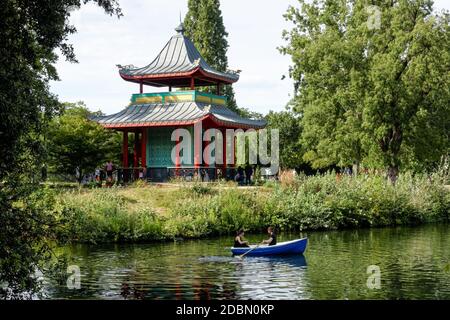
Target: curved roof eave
(249, 124)
(218, 76)
(178, 58)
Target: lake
(412, 264)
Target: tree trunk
(80, 176)
(390, 146)
(355, 168)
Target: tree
(30, 32)
(290, 130)
(204, 26)
(78, 145)
(367, 91)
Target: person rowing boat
(269, 247)
(272, 237)
(239, 241)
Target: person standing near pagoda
(239, 178)
(248, 174)
(109, 169)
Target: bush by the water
(101, 215)
(306, 203)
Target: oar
(242, 255)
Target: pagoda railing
(186, 173)
(201, 173)
(164, 174)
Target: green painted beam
(178, 96)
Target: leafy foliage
(372, 94)
(103, 218)
(30, 33)
(288, 124)
(77, 143)
(318, 202)
(26, 220)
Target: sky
(102, 42)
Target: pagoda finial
(180, 29)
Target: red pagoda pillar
(144, 148)
(125, 149)
(197, 145)
(218, 89)
(234, 150)
(136, 150)
(224, 152)
(136, 154)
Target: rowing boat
(297, 246)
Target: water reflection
(412, 263)
(271, 278)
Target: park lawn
(159, 197)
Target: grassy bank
(147, 213)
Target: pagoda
(152, 117)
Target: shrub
(101, 216)
(197, 210)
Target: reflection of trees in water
(211, 281)
(409, 259)
(138, 272)
(271, 277)
(173, 274)
(416, 264)
(136, 292)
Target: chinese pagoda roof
(177, 63)
(174, 109)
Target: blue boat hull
(283, 248)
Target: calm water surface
(412, 261)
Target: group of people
(244, 179)
(240, 242)
(98, 176)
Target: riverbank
(144, 212)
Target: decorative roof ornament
(236, 72)
(128, 66)
(180, 29)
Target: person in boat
(272, 237)
(239, 241)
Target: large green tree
(30, 32)
(204, 26)
(77, 145)
(288, 124)
(372, 82)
